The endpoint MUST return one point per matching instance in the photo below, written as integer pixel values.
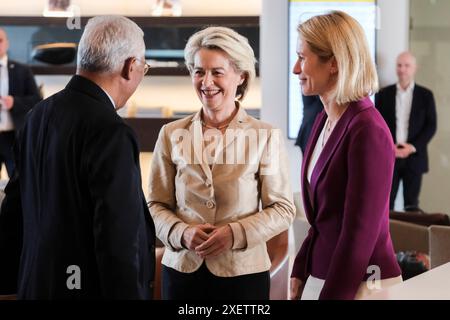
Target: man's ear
(127, 68)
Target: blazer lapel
(236, 126)
(197, 144)
(393, 112)
(12, 78)
(414, 112)
(306, 188)
(335, 139)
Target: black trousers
(203, 285)
(412, 182)
(6, 150)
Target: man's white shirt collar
(4, 61)
(408, 89)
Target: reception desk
(431, 285)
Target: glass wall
(430, 42)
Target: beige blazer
(244, 184)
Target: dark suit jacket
(312, 106)
(22, 87)
(347, 203)
(78, 189)
(422, 122)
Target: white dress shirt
(4, 85)
(6, 123)
(403, 103)
(316, 153)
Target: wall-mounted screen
(364, 11)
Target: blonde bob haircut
(338, 35)
(236, 46)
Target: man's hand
(296, 287)
(7, 102)
(194, 236)
(404, 150)
(220, 240)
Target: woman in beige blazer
(219, 185)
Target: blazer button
(208, 183)
(210, 204)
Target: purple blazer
(347, 203)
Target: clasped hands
(7, 102)
(404, 150)
(208, 240)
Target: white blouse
(316, 153)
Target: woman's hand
(296, 289)
(220, 240)
(195, 235)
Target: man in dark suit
(18, 94)
(312, 106)
(76, 200)
(410, 112)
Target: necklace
(212, 127)
(328, 127)
(220, 127)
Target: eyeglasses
(146, 65)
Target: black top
(312, 106)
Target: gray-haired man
(86, 229)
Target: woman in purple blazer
(347, 167)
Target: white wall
(274, 75)
(392, 38)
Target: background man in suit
(410, 112)
(312, 106)
(18, 94)
(76, 199)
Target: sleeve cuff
(298, 272)
(175, 236)
(239, 237)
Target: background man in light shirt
(410, 112)
(18, 94)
